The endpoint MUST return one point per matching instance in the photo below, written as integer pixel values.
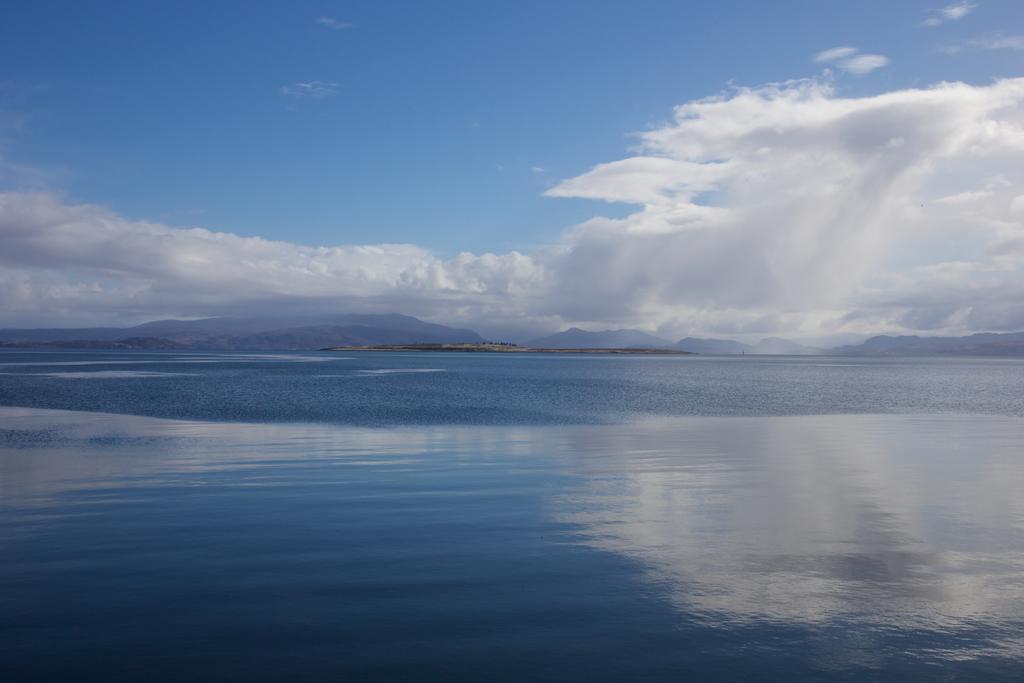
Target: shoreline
(502, 348)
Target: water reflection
(849, 542)
(44, 453)
(897, 522)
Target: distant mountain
(777, 346)
(575, 338)
(301, 333)
(984, 344)
(728, 347)
(151, 343)
(722, 347)
(304, 333)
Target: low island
(499, 347)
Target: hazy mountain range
(767, 346)
(575, 338)
(303, 333)
(984, 344)
(250, 333)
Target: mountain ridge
(576, 338)
(979, 344)
(302, 333)
(306, 332)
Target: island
(500, 347)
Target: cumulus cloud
(783, 209)
(776, 204)
(850, 60)
(954, 12)
(62, 257)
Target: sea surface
(442, 516)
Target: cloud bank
(783, 209)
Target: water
(318, 517)
(385, 389)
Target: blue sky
(441, 114)
(806, 169)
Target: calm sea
(370, 516)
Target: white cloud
(996, 42)
(835, 53)
(850, 60)
(60, 257)
(316, 90)
(787, 203)
(1000, 43)
(783, 209)
(957, 10)
(863, 64)
(333, 24)
(537, 169)
(964, 197)
(954, 12)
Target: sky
(721, 169)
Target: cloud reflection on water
(902, 523)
